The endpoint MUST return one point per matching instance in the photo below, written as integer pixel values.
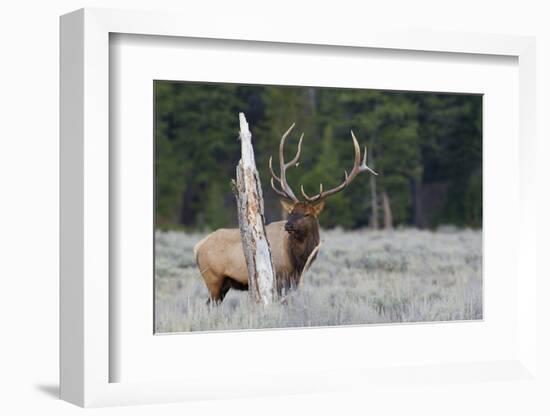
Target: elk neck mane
(299, 250)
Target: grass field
(359, 277)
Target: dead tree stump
(248, 191)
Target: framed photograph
(387, 211)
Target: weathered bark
(388, 218)
(261, 273)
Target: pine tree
(329, 171)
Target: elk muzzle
(289, 227)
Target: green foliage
(215, 213)
(168, 166)
(415, 140)
(196, 147)
(328, 171)
(451, 149)
(473, 201)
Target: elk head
(303, 215)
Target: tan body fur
(220, 257)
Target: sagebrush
(359, 277)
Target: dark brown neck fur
(299, 248)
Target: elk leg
(214, 298)
(214, 285)
(226, 285)
(217, 294)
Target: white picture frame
(86, 356)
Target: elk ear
(287, 206)
(318, 208)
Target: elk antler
(285, 191)
(357, 168)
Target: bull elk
(220, 257)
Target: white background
(29, 207)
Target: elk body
(220, 257)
